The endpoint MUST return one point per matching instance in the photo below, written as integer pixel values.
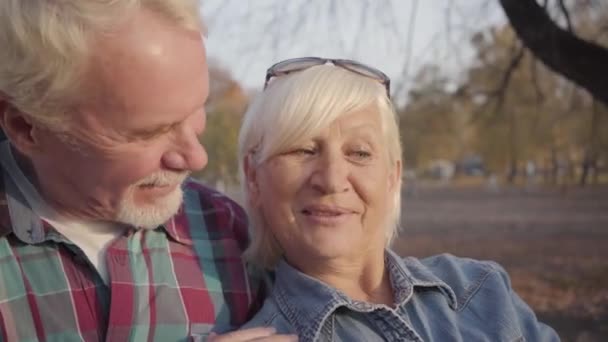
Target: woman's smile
(327, 215)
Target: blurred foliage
(220, 140)
(225, 107)
(511, 111)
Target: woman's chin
(331, 248)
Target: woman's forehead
(344, 128)
(365, 121)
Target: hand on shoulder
(262, 334)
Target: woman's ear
(18, 127)
(249, 168)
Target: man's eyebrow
(149, 132)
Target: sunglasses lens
(296, 64)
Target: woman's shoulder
(450, 265)
(270, 315)
(465, 276)
(483, 293)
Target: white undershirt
(93, 238)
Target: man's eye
(151, 135)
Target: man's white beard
(150, 216)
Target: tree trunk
(513, 148)
(512, 172)
(554, 166)
(585, 173)
(591, 152)
(580, 61)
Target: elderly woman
(321, 162)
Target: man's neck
(26, 166)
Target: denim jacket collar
(308, 302)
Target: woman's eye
(360, 154)
(305, 151)
(302, 151)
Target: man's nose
(187, 154)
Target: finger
(243, 335)
(277, 338)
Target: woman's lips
(327, 215)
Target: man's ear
(17, 127)
(251, 180)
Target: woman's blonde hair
(295, 107)
(44, 47)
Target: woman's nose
(331, 174)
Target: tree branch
(540, 96)
(497, 95)
(580, 61)
(564, 10)
(410, 39)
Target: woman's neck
(363, 278)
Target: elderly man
(102, 237)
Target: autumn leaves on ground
(552, 241)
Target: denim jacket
(442, 298)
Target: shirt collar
(177, 227)
(308, 302)
(18, 218)
(411, 270)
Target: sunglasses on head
(298, 64)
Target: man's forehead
(154, 75)
(144, 40)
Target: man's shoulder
(207, 193)
(211, 200)
(222, 216)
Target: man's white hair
(45, 45)
(296, 107)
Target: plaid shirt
(176, 282)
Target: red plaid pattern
(179, 281)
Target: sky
(395, 36)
